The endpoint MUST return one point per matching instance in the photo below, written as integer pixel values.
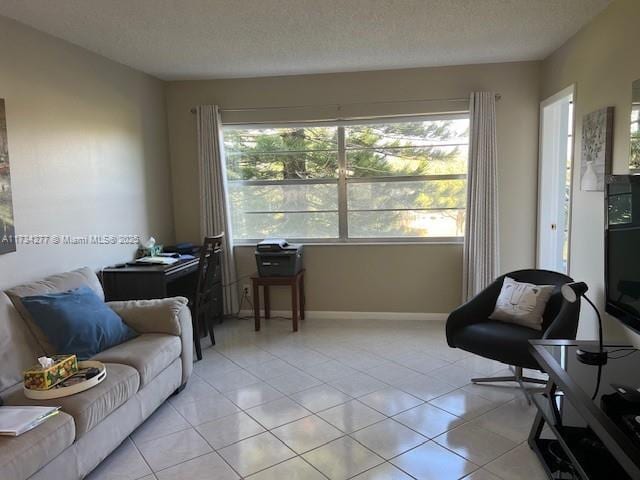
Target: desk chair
(207, 303)
(469, 327)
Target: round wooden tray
(57, 392)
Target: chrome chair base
(517, 377)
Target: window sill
(355, 243)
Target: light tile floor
(369, 400)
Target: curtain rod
(340, 105)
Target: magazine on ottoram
(15, 421)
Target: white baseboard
(344, 315)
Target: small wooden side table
(296, 282)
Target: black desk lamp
(571, 292)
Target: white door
(554, 181)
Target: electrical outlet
(246, 290)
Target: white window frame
(635, 107)
(343, 181)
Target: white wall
(88, 151)
(602, 60)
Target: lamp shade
(571, 292)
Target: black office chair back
(209, 274)
(209, 266)
(556, 304)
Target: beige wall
(88, 150)
(372, 278)
(419, 278)
(602, 61)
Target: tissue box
(149, 251)
(38, 378)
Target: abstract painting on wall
(7, 231)
(597, 147)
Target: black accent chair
(469, 327)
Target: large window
(374, 180)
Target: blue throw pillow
(77, 321)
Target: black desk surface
(167, 269)
(136, 282)
(578, 382)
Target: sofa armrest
(169, 316)
(166, 315)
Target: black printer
(278, 258)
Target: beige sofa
(141, 374)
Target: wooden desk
(144, 282)
(296, 282)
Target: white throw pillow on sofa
(522, 303)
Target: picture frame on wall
(597, 149)
(7, 228)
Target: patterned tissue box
(39, 378)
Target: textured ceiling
(186, 39)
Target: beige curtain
(480, 262)
(214, 214)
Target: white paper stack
(15, 421)
(157, 260)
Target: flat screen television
(622, 249)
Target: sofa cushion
(90, 407)
(83, 277)
(504, 342)
(21, 457)
(18, 347)
(149, 354)
(77, 321)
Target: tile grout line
(218, 454)
(289, 395)
(326, 383)
(267, 430)
(187, 427)
(141, 456)
(190, 427)
(386, 461)
(505, 453)
(364, 372)
(449, 363)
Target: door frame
(570, 90)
